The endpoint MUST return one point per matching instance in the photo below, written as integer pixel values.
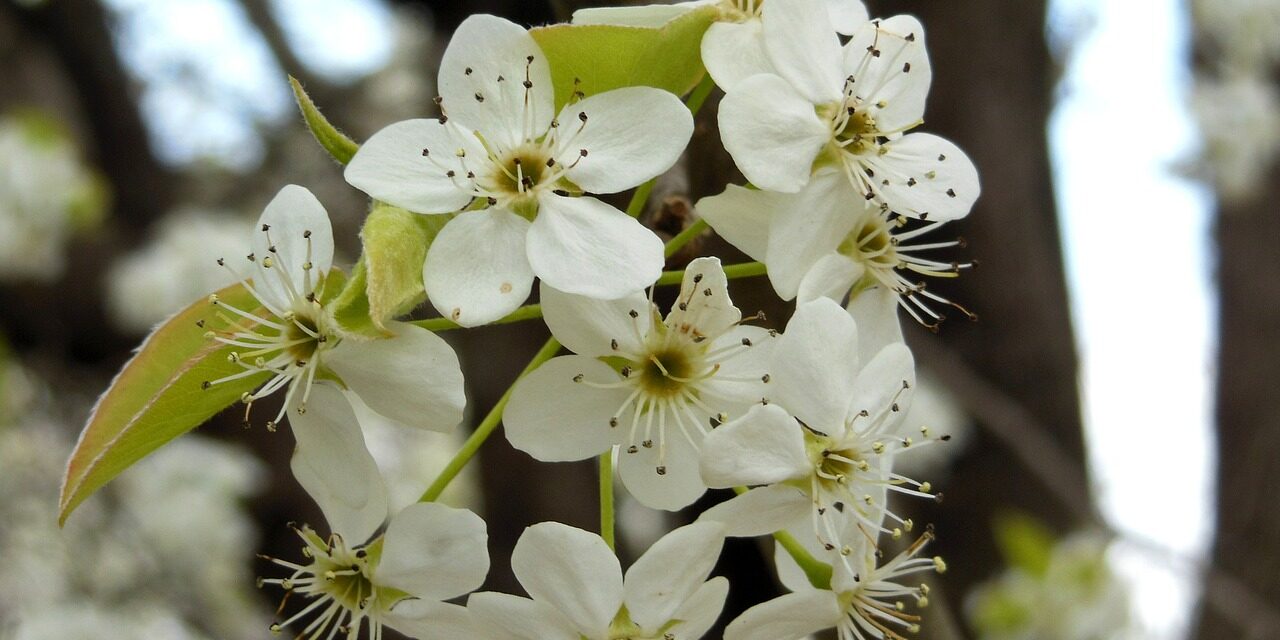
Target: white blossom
(874, 606)
(429, 553)
(413, 378)
(160, 278)
(821, 452)
(849, 107)
(578, 590)
(733, 46)
(826, 240)
(653, 388)
(518, 173)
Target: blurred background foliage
(140, 138)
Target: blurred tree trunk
(1247, 544)
(992, 94)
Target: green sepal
(158, 396)
(335, 142)
(350, 309)
(594, 58)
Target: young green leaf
(605, 57)
(338, 145)
(395, 247)
(159, 395)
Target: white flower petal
(740, 381)
(816, 363)
(630, 135)
(590, 326)
(508, 617)
(700, 612)
(554, 419)
(650, 15)
(792, 616)
(809, 225)
(413, 378)
(762, 447)
(876, 311)
(734, 51)
(929, 177)
(670, 572)
(741, 216)
(881, 382)
(772, 132)
(894, 82)
(334, 466)
(703, 307)
(483, 49)
(673, 490)
(427, 620)
(477, 269)
(390, 166)
(846, 15)
(832, 276)
(284, 225)
(586, 247)
(761, 511)
(434, 552)
(802, 45)
(571, 570)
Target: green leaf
(395, 246)
(158, 396)
(606, 57)
(338, 145)
(1025, 543)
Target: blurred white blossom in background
(1051, 590)
(167, 555)
(175, 268)
(46, 195)
(1234, 97)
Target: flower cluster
(820, 108)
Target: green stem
(684, 237)
(606, 497)
(818, 572)
(641, 196)
(732, 272)
(482, 432)
(527, 312)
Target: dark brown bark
(992, 92)
(1247, 410)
